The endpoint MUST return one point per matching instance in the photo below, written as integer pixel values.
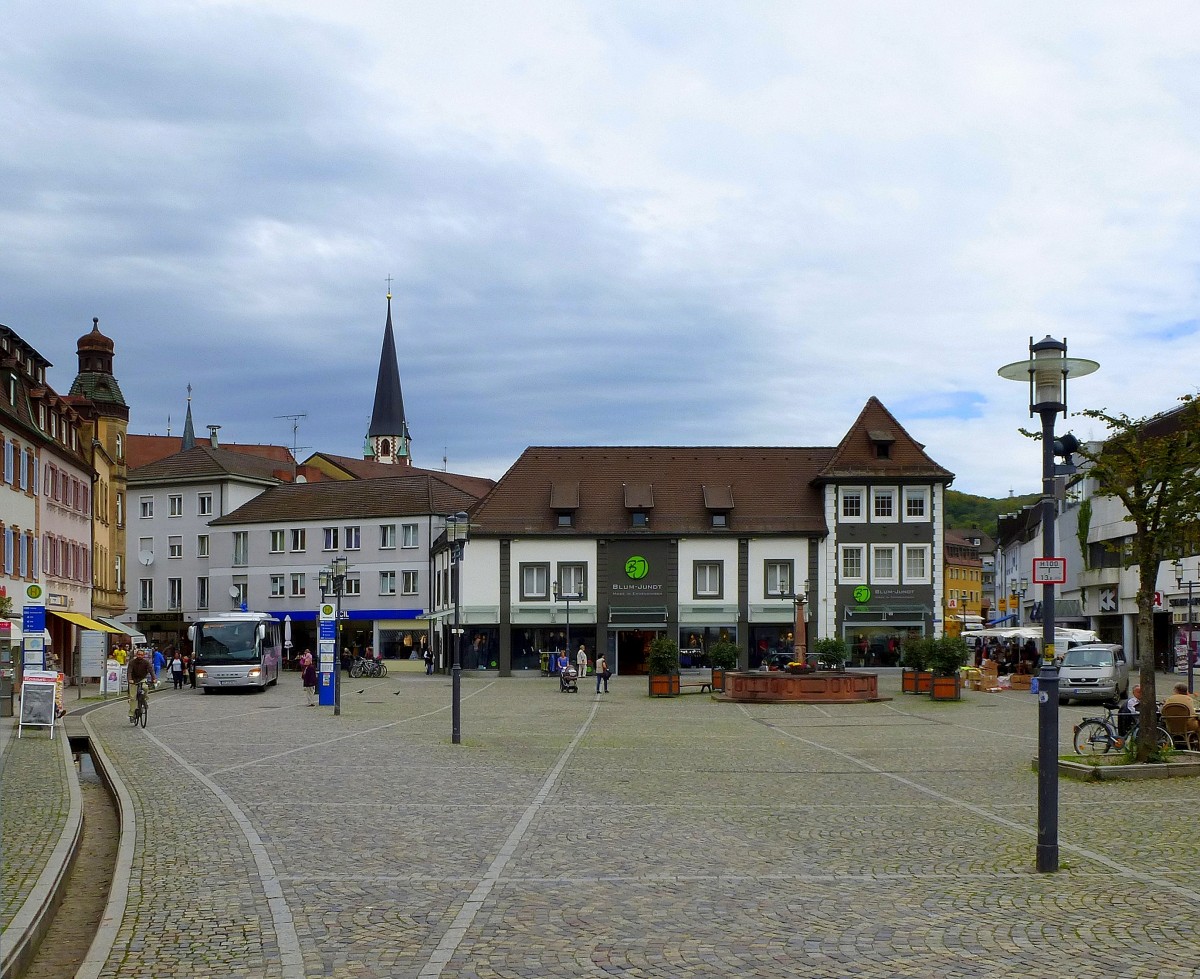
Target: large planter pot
(718, 679)
(915, 681)
(664, 684)
(946, 688)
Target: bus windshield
(226, 642)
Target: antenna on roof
(295, 420)
(168, 425)
(444, 451)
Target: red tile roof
(856, 455)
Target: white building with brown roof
(699, 544)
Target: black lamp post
(1046, 371)
(568, 597)
(333, 579)
(800, 629)
(1188, 645)
(1022, 588)
(458, 532)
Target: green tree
(1150, 465)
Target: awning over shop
(83, 621)
(132, 633)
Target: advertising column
(326, 654)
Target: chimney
(212, 435)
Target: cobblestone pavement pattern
(622, 836)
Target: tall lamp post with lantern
(458, 532)
(1189, 652)
(1046, 371)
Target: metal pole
(1047, 829)
(456, 666)
(570, 654)
(1188, 648)
(337, 648)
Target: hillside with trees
(964, 511)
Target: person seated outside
(1181, 696)
(140, 671)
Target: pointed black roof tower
(388, 433)
(189, 431)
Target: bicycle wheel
(1093, 737)
(356, 670)
(1162, 737)
(382, 669)
(143, 714)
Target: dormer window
(639, 498)
(566, 518)
(718, 500)
(882, 441)
(720, 521)
(639, 518)
(564, 501)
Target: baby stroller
(568, 680)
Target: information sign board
(38, 690)
(1050, 570)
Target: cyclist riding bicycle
(139, 672)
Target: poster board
(93, 651)
(39, 690)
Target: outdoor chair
(1176, 718)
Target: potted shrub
(916, 677)
(723, 655)
(662, 665)
(947, 656)
(830, 652)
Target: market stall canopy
(133, 634)
(1063, 635)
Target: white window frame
(844, 551)
(878, 495)
(410, 535)
(353, 538)
(298, 539)
(845, 495)
(204, 505)
(387, 582)
(410, 582)
(175, 505)
(145, 594)
(916, 493)
(703, 575)
(278, 586)
(778, 570)
(146, 507)
(878, 577)
(278, 541)
(202, 592)
(299, 584)
(387, 536)
(535, 581)
(174, 548)
(331, 538)
(926, 552)
(241, 548)
(202, 545)
(353, 585)
(174, 594)
(572, 579)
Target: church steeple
(388, 433)
(189, 432)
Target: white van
(1093, 671)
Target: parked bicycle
(1100, 735)
(367, 667)
(141, 711)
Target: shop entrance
(628, 650)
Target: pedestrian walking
(308, 676)
(176, 671)
(581, 661)
(428, 657)
(602, 673)
(157, 662)
(191, 670)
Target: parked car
(1093, 671)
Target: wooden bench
(700, 685)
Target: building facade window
(146, 594)
(572, 580)
(204, 505)
(175, 505)
(409, 535)
(201, 593)
(916, 504)
(353, 585)
(777, 577)
(242, 593)
(916, 564)
(278, 540)
(706, 577)
(852, 564)
(408, 582)
(353, 538)
(174, 547)
(883, 504)
(146, 504)
(883, 565)
(851, 507)
(535, 582)
(241, 548)
(331, 539)
(278, 588)
(202, 545)
(298, 581)
(387, 582)
(174, 594)
(387, 536)
(299, 540)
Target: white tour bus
(237, 649)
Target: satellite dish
(234, 591)
(146, 557)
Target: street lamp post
(1022, 588)
(333, 579)
(800, 632)
(458, 532)
(568, 597)
(1191, 665)
(1046, 372)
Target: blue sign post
(326, 654)
(33, 624)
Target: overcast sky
(607, 222)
